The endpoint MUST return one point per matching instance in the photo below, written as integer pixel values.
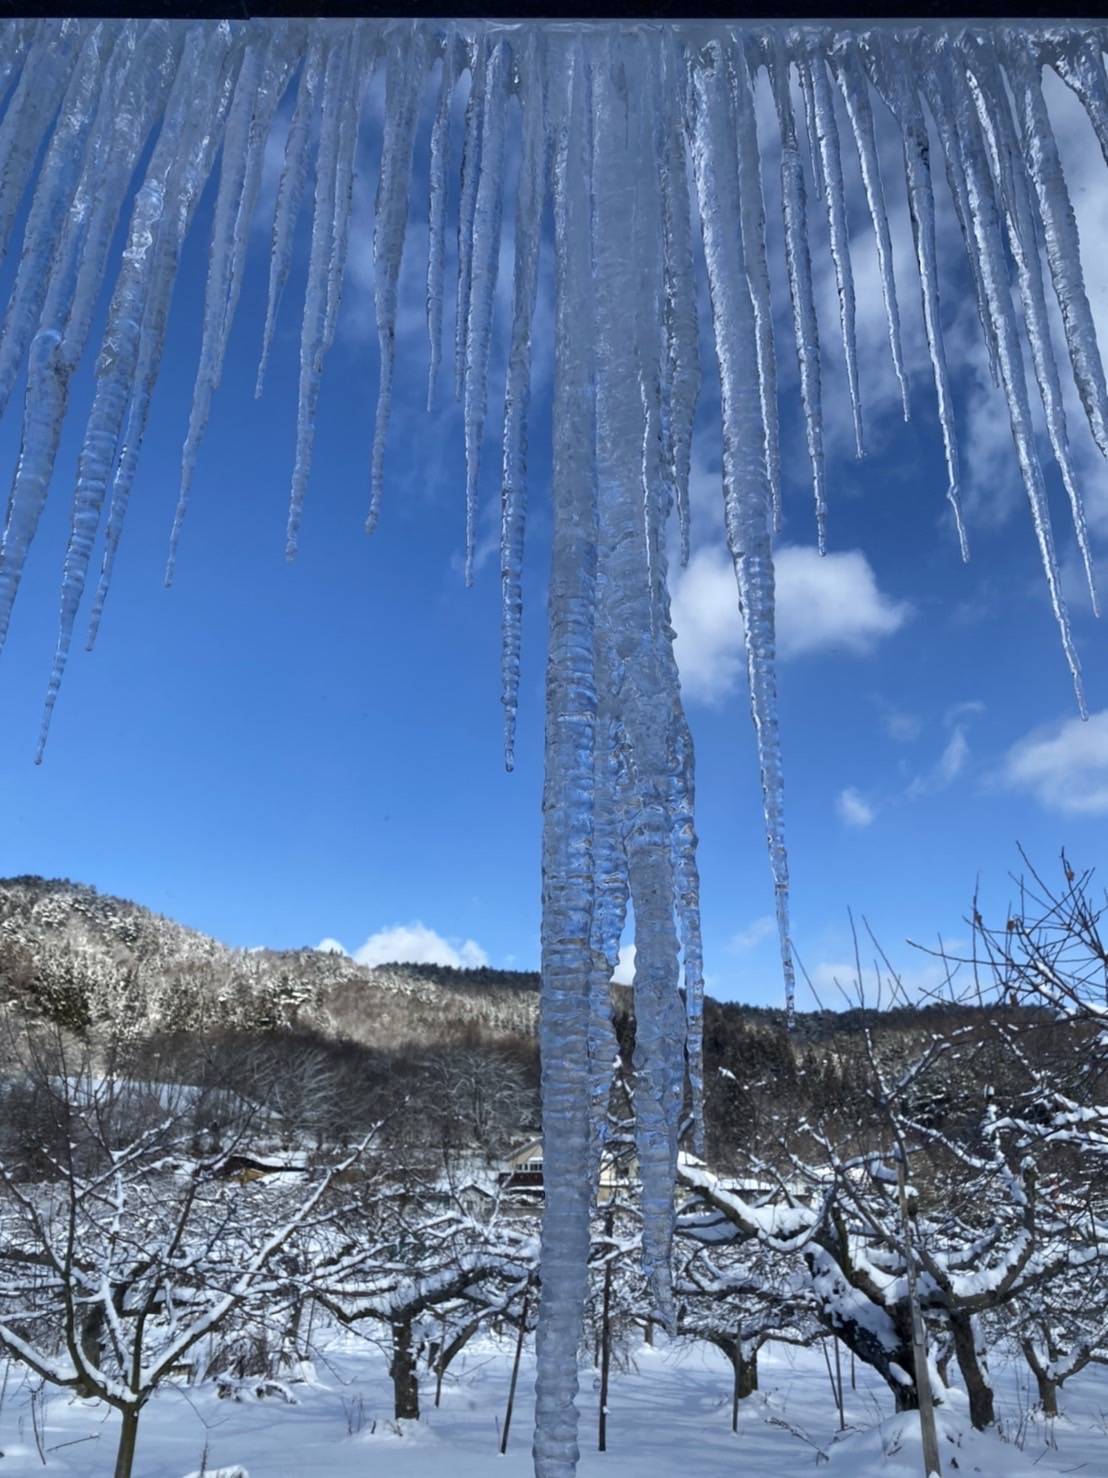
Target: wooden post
(931, 1463)
(605, 1345)
(515, 1372)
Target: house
(521, 1177)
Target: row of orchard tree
(159, 1223)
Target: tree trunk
(982, 1413)
(1048, 1394)
(746, 1374)
(128, 1437)
(405, 1377)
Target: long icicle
(487, 216)
(176, 176)
(953, 93)
(852, 85)
(568, 873)
(746, 490)
(513, 501)
(403, 78)
(335, 76)
(991, 98)
(290, 192)
(436, 205)
(825, 144)
(799, 264)
(76, 274)
(892, 78)
(1063, 246)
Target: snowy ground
(669, 1418)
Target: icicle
(272, 82)
(799, 266)
(891, 75)
(217, 290)
(955, 179)
(687, 877)
(402, 84)
(528, 224)
(436, 205)
(467, 203)
(825, 144)
(752, 205)
(681, 365)
(344, 177)
(746, 493)
(1080, 64)
(852, 85)
(628, 276)
(175, 177)
(487, 215)
(52, 198)
(991, 99)
(954, 94)
(122, 124)
(568, 892)
(38, 93)
(336, 73)
(1063, 248)
(290, 192)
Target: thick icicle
(825, 144)
(681, 367)
(568, 872)
(436, 206)
(517, 385)
(335, 77)
(487, 216)
(290, 192)
(991, 98)
(954, 94)
(891, 74)
(42, 82)
(799, 264)
(1063, 248)
(467, 202)
(52, 198)
(852, 84)
(627, 292)
(403, 79)
(752, 204)
(176, 175)
(133, 91)
(746, 492)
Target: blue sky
(283, 754)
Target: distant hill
(83, 958)
(73, 954)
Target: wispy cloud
(752, 936)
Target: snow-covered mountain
(80, 956)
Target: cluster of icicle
(638, 136)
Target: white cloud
(415, 944)
(330, 946)
(752, 936)
(853, 808)
(1064, 766)
(901, 726)
(829, 603)
(625, 968)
